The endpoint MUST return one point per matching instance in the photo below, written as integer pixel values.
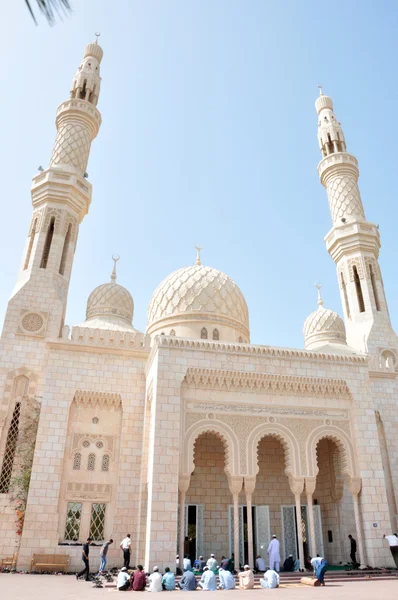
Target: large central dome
(199, 302)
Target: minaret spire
(353, 243)
(61, 196)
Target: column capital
(310, 485)
(354, 485)
(235, 484)
(296, 484)
(183, 483)
(250, 484)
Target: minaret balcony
(337, 159)
(62, 186)
(351, 237)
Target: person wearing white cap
(155, 581)
(260, 564)
(227, 580)
(208, 580)
(212, 563)
(274, 554)
(123, 580)
(271, 580)
(246, 578)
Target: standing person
(231, 563)
(353, 550)
(188, 582)
(320, 566)
(168, 580)
(85, 553)
(138, 579)
(125, 545)
(260, 564)
(208, 580)
(123, 580)
(393, 541)
(212, 563)
(274, 554)
(227, 580)
(103, 553)
(271, 580)
(246, 578)
(155, 581)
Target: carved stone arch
(221, 430)
(11, 383)
(52, 212)
(289, 443)
(69, 220)
(343, 443)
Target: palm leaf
(51, 9)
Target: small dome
(194, 298)
(95, 50)
(323, 102)
(322, 327)
(110, 306)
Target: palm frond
(51, 9)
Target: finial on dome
(115, 258)
(320, 88)
(198, 249)
(318, 287)
(97, 36)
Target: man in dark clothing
(231, 563)
(288, 565)
(138, 579)
(353, 550)
(85, 553)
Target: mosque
(189, 429)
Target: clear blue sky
(208, 137)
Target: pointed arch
(221, 430)
(289, 443)
(343, 443)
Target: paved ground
(65, 587)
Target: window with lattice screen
(105, 463)
(216, 334)
(77, 461)
(97, 522)
(203, 333)
(9, 452)
(73, 518)
(91, 462)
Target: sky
(209, 136)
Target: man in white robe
(274, 554)
(227, 580)
(208, 580)
(271, 580)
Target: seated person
(231, 563)
(208, 580)
(227, 580)
(271, 580)
(246, 578)
(188, 582)
(187, 563)
(155, 581)
(199, 564)
(224, 562)
(123, 580)
(288, 565)
(138, 579)
(212, 563)
(260, 564)
(168, 580)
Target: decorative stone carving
(266, 410)
(48, 215)
(344, 198)
(355, 262)
(97, 492)
(82, 440)
(32, 323)
(90, 399)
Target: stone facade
(189, 429)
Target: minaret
(353, 242)
(61, 197)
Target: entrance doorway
(193, 530)
(261, 532)
(289, 531)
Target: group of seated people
(139, 580)
(208, 581)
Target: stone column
(297, 486)
(310, 484)
(354, 485)
(250, 484)
(337, 496)
(183, 486)
(235, 486)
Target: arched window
(358, 288)
(203, 333)
(77, 461)
(31, 240)
(172, 332)
(344, 288)
(91, 462)
(105, 463)
(388, 360)
(240, 340)
(9, 452)
(216, 334)
(374, 288)
(47, 244)
(65, 250)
